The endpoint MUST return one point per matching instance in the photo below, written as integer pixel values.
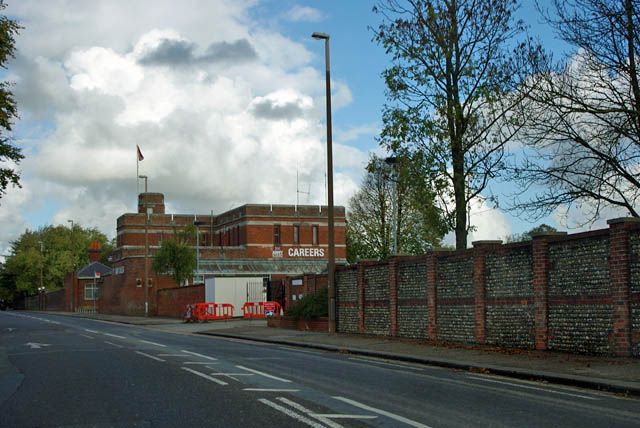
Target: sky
(224, 98)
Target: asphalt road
(58, 371)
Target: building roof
(89, 271)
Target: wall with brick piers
(573, 293)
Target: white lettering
(305, 252)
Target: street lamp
(332, 256)
(197, 224)
(146, 250)
(73, 290)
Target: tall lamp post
(197, 224)
(145, 283)
(331, 267)
(73, 288)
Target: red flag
(140, 157)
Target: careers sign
(305, 252)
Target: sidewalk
(620, 375)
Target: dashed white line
(91, 331)
(199, 362)
(291, 413)
(173, 355)
(114, 335)
(309, 412)
(533, 387)
(206, 357)
(264, 374)
(150, 356)
(85, 335)
(383, 413)
(113, 344)
(153, 343)
(270, 390)
(341, 416)
(206, 376)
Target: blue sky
(213, 130)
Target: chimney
(94, 251)
(155, 201)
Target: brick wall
(574, 293)
(172, 302)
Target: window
(296, 234)
(315, 234)
(276, 234)
(237, 235)
(90, 292)
(219, 238)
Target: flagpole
(137, 172)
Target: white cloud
(490, 223)
(304, 13)
(214, 134)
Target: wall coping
(487, 242)
(635, 220)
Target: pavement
(618, 375)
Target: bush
(311, 306)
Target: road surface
(58, 371)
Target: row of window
(296, 234)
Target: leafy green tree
(452, 83)
(527, 236)
(9, 154)
(47, 255)
(176, 256)
(370, 217)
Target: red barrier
(252, 310)
(210, 311)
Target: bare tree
(583, 115)
(452, 84)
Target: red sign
(269, 306)
(97, 274)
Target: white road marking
(309, 412)
(91, 331)
(114, 335)
(399, 365)
(153, 343)
(206, 357)
(270, 390)
(203, 375)
(533, 387)
(383, 413)
(86, 335)
(264, 374)
(34, 345)
(291, 413)
(173, 355)
(113, 344)
(230, 374)
(341, 416)
(199, 362)
(150, 356)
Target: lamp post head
(142, 176)
(320, 36)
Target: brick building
(81, 286)
(269, 241)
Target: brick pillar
(360, 282)
(619, 261)
(393, 297)
(481, 248)
(540, 279)
(432, 306)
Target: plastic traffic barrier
(209, 311)
(252, 310)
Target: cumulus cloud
(232, 126)
(304, 14)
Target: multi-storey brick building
(270, 241)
